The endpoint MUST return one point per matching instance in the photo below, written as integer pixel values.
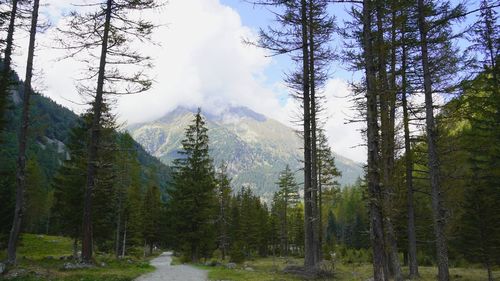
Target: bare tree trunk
(119, 219)
(23, 142)
(117, 242)
(376, 224)
(310, 257)
(124, 246)
(94, 143)
(75, 248)
(314, 152)
(490, 272)
(285, 223)
(412, 237)
(439, 212)
(320, 209)
(5, 75)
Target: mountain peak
(226, 114)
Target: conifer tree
(327, 178)
(223, 217)
(23, 131)
(68, 185)
(192, 196)
(5, 70)
(285, 198)
(435, 42)
(133, 224)
(151, 212)
(108, 30)
(37, 199)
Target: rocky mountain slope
(255, 148)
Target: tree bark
(23, 142)
(412, 237)
(94, 142)
(376, 224)
(439, 212)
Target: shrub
(237, 253)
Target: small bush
(217, 254)
(237, 253)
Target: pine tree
(480, 227)
(151, 212)
(23, 132)
(436, 55)
(373, 173)
(109, 31)
(68, 185)
(192, 196)
(5, 74)
(37, 199)
(127, 172)
(285, 198)
(133, 224)
(327, 178)
(223, 218)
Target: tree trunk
(320, 210)
(439, 212)
(23, 142)
(309, 258)
(314, 152)
(490, 272)
(412, 237)
(117, 242)
(386, 99)
(75, 248)
(376, 224)
(94, 143)
(5, 75)
(285, 223)
(124, 246)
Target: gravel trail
(166, 272)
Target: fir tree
(287, 196)
(192, 196)
(151, 213)
(223, 216)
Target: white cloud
(201, 62)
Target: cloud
(201, 61)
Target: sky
(200, 60)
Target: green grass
(38, 259)
(265, 269)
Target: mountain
(50, 126)
(255, 148)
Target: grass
(38, 259)
(267, 269)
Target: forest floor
(43, 258)
(269, 269)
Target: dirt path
(166, 272)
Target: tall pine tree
(192, 196)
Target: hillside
(49, 131)
(256, 148)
